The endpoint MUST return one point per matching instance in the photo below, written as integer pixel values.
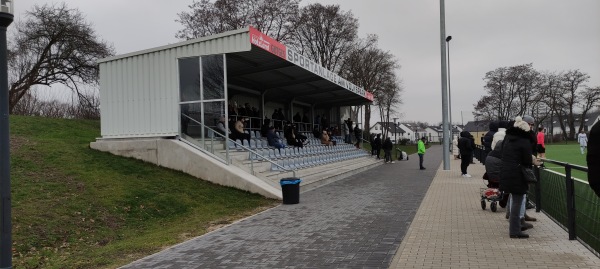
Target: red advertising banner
(267, 43)
(369, 96)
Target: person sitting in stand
(273, 139)
(238, 131)
(264, 129)
(316, 132)
(325, 139)
(290, 136)
(221, 126)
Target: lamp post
(446, 140)
(6, 18)
(395, 131)
(448, 38)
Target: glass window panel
(213, 77)
(189, 79)
(213, 111)
(191, 126)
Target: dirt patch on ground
(17, 142)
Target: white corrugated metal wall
(139, 92)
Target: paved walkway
(365, 222)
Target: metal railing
(203, 146)
(569, 201)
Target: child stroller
(491, 194)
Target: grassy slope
(74, 207)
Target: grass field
(569, 153)
(74, 207)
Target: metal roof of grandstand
(258, 64)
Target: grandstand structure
(162, 105)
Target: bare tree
(570, 97)
(54, 45)
(276, 18)
(511, 91)
(369, 67)
(389, 99)
(324, 34)
(589, 100)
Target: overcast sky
(554, 35)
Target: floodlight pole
(449, 93)
(6, 18)
(446, 139)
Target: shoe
(525, 225)
(466, 175)
(528, 218)
(393, 162)
(507, 216)
(519, 236)
(422, 168)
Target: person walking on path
(465, 146)
(582, 139)
(421, 152)
(357, 135)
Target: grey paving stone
(358, 222)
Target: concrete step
(318, 176)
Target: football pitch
(569, 153)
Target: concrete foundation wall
(180, 156)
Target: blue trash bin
(290, 190)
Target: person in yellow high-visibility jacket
(421, 151)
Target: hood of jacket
(494, 126)
(514, 133)
(465, 134)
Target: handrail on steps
(240, 146)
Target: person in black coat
(377, 146)
(593, 158)
(516, 153)
(387, 149)
(465, 147)
(489, 136)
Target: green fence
(570, 202)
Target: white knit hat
(498, 136)
(519, 123)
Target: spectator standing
(455, 151)
(377, 146)
(541, 147)
(465, 146)
(421, 152)
(387, 149)
(489, 136)
(516, 152)
(345, 131)
(593, 159)
(583, 140)
(348, 138)
(357, 135)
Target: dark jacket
(515, 153)
(493, 162)
(387, 144)
(272, 138)
(489, 136)
(377, 143)
(465, 143)
(593, 159)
